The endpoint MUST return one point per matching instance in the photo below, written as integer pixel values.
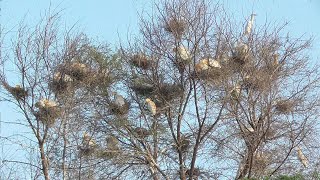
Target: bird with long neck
(249, 25)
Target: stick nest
(141, 60)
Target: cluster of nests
(48, 111)
(72, 74)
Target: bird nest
(196, 173)
(285, 106)
(119, 110)
(47, 115)
(142, 87)
(175, 26)
(260, 163)
(141, 60)
(169, 92)
(87, 150)
(112, 150)
(18, 92)
(258, 82)
(184, 144)
(141, 133)
(210, 74)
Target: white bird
(118, 99)
(88, 140)
(151, 106)
(235, 92)
(302, 158)
(183, 53)
(45, 103)
(275, 59)
(249, 25)
(241, 49)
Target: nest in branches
(18, 92)
(142, 87)
(170, 91)
(184, 144)
(196, 173)
(87, 150)
(47, 115)
(119, 110)
(260, 162)
(141, 132)
(108, 153)
(284, 106)
(112, 150)
(58, 87)
(175, 26)
(120, 122)
(141, 60)
(210, 74)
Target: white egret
(151, 106)
(302, 157)
(249, 25)
(183, 53)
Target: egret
(88, 140)
(45, 103)
(241, 49)
(302, 158)
(183, 53)
(249, 25)
(235, 92)
(275, 59)
(151, 106)
(118, 99)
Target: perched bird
(302, 158)
(118, 99)
(45, 103)
(275, 59)
(65, 78)
(183, 53)
(151, 106)
(241, 49)
(88, 140)
(235, 92)
(249, 25)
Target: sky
(112, 20)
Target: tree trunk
(44, 162)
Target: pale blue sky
(107, 20)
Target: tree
(191, 97)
